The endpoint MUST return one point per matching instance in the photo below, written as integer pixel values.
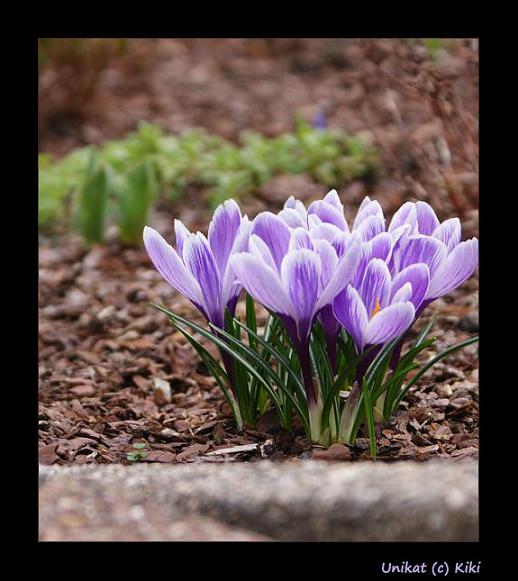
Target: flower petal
(300, 276)
(343, 274)
(328, 214)
(420, 248)
(407, 214)
(295, 204)
(375, 287)
(381, 246)
(403, 294)
(350, 311)
(427, 220)
(339, 243)
(418, 276)
(199, 259)
(389, 323)
(372, 208)
(365, 202)
(448, 232)
(371, 226)
(222, 232)
(275, 232)
(293, 218)
(333, 198)
(325, 231)
(259, 248)
(180, 234)
(261, 282)
(230, 290)
(329, 260)
(171, 267)
(455, 269)
(300, 238)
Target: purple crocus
(438, 245)
(325, 221)
(381, 308)
(295, 277)
(199, 267)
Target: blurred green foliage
(93, 194)
(149, 163)
(136, 197)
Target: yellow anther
(376, 309)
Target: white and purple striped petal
(261, 282)
(300, 238)
(275, 232)
(223, 230)
(350, 311)
(371, 227)
(171, 267)
(449, 232)
(420, 248)
(368, 208)
(455, 269)
(300, 277)
(375, 286)
(427, 220)
(200, 261)
(418, 276)
(329, 214)
(389, 323)
(407, 214)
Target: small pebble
(335, 453)
(469, 323)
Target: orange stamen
(376, 309)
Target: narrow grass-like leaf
(264, 366)
(92, 202)
(138, 194)
(431, 363)
(370, 418)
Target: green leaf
(251, 321)
(266, 368)
(138, 193)
(370, 418)
(139, 445)
(431, 363)
(236, 355)
(92, 201)
(283, 362)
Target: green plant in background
(138, 454)
(193, 159)
(433, 46)
(136, 197)
(92, 200)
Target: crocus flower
(381, 308)
(438, 245)
(199, 267)
(295, 277)
(324, 219)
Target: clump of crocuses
(336, 348)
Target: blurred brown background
(416, 100)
